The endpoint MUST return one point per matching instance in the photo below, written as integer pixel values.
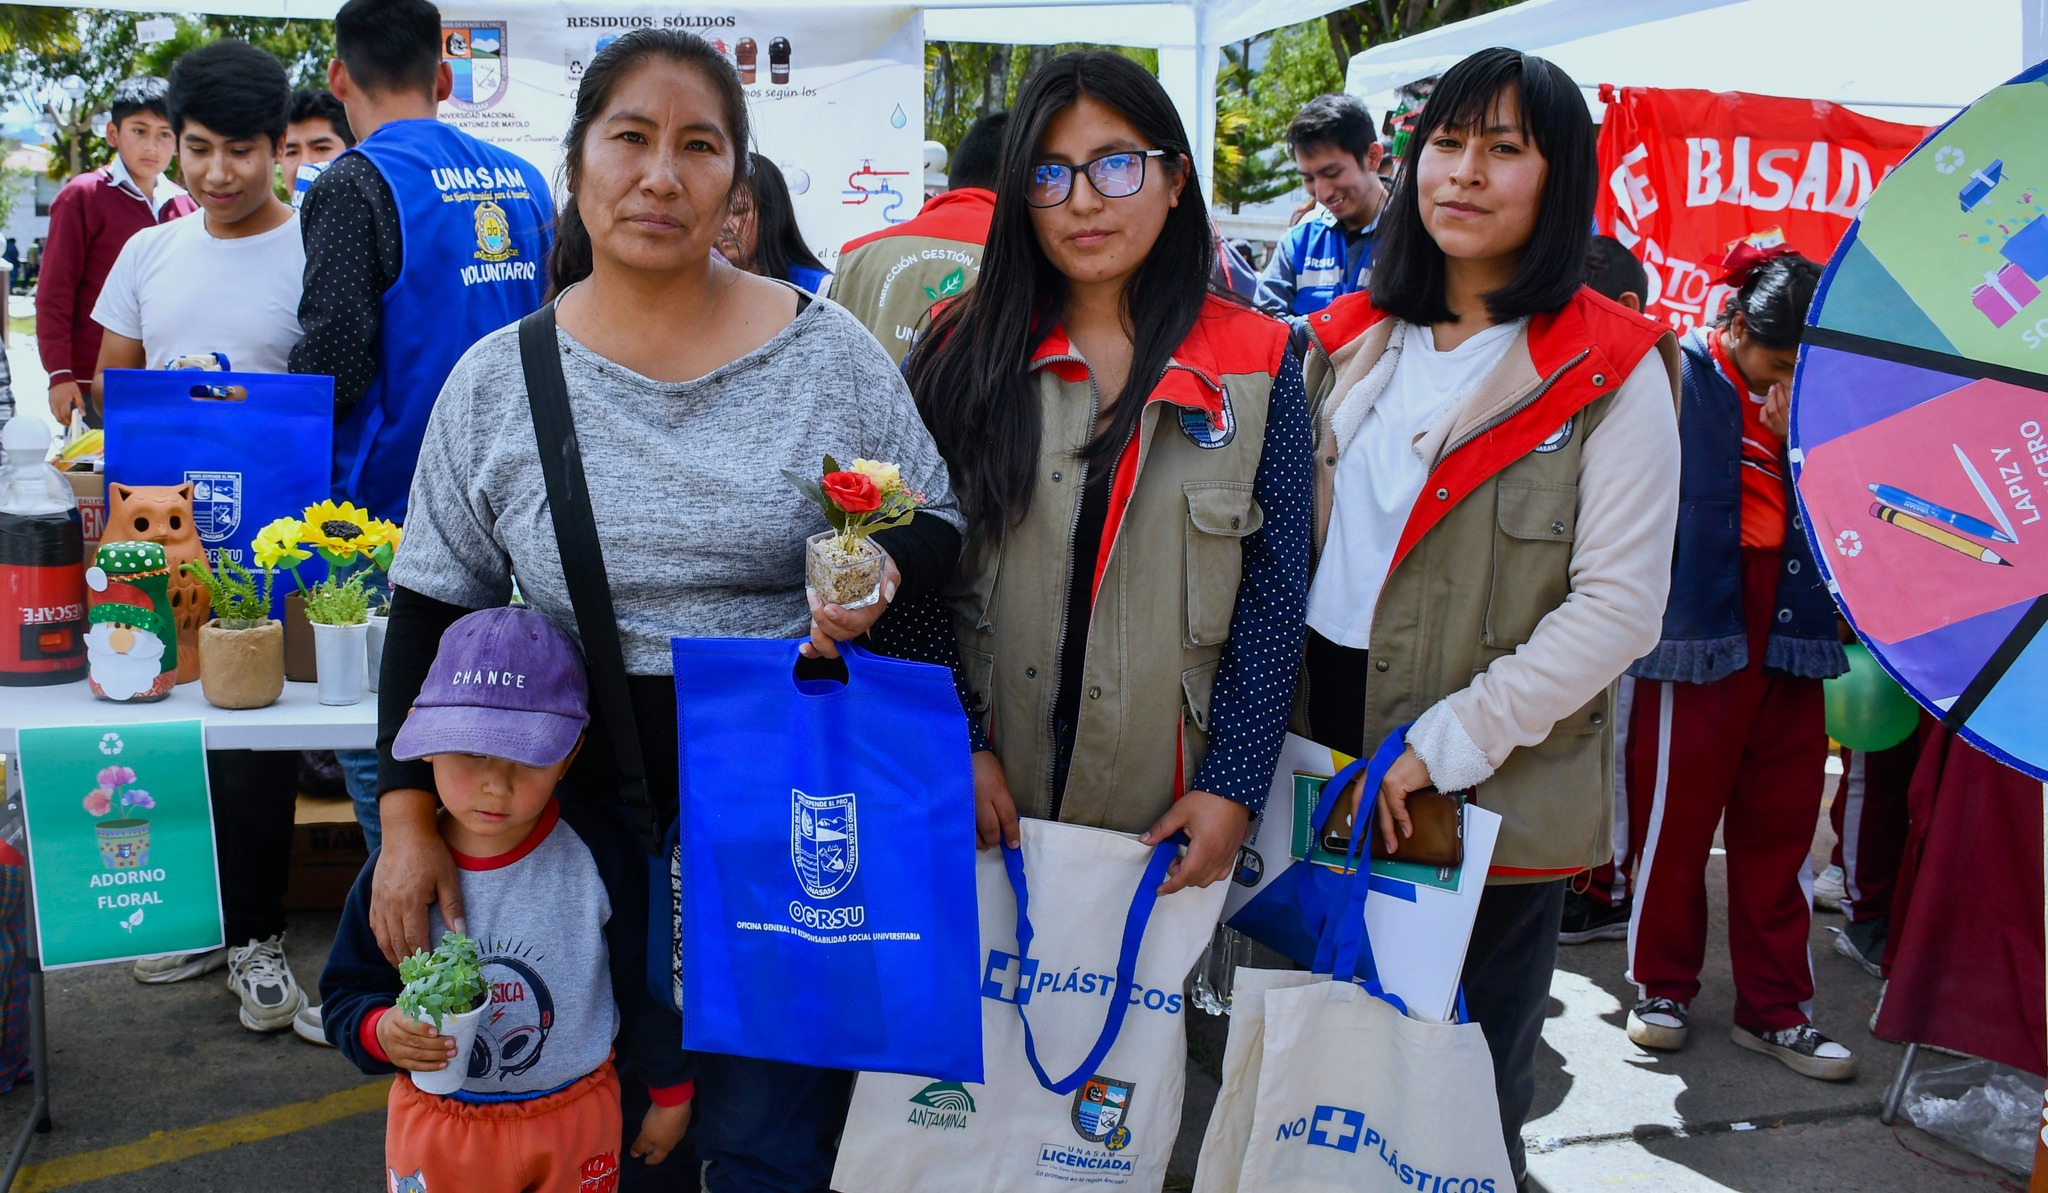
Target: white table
(298, 721)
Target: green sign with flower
(120, 837)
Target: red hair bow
(1740, 261)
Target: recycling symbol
(1849, 543)
(1948, 159)
(110, 743)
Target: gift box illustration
(1981, 183)
(2006, 290)
(2028, 248)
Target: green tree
(1253, 108)
(35, 28)
(1352, 30)
(103, 50)
(965, 80)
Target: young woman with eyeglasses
(1132, 450)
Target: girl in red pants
(1728, 724)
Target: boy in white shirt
(229, 281)
(226, 282)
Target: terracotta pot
(241, 668)
(301, 660)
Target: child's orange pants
(563, 1142)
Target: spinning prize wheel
(1920, 423)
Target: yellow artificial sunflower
(381, 533)
(276, 545)
(337, 529)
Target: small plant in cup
(442, 984)
(339, 602)
(843, 566)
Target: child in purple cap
(556, 902)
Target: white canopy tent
(1904, 60)
(1189, 34)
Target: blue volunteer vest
(475, 222)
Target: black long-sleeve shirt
(353, 256)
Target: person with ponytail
(1131, 450)
(761, 235)
(692, 384)
(1728, 727)
(1496, 489)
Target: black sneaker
(1658, 1023)
(1801, 1049)
(1587, 918)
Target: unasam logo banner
(1685, 173)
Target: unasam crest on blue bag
(824, 842)
(216, 504)
(1100, 1106)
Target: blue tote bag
(253, 446)
(824, 862)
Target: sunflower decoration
(340, 533)
(345, 536)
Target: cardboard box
(327, 854)
(90, 487)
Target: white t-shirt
(1380, 475)
(183, 292)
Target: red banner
(1685, 173)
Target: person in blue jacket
(1328, 254)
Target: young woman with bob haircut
(1132, 454)
(1496, 487)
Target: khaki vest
(1164, 603)
(1496, 561)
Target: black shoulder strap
(590, 592)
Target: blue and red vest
(476, 222)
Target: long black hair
(1773, 300)
(971, 378)
(778, 244)
(1408, 265)
(569, 261)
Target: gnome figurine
(131, 647)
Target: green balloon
(1867, 709)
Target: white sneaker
(176, 967)
(310, 1027)
(260, 976)
(1830, 887)
(1847, 948)
(1659, 1023)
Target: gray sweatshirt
(702, 536)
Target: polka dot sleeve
(353, 255)
(1261, 662)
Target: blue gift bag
(254, 446)
(825, 862)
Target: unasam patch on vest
(1558, 438)
(493, 233)
(1208, 433)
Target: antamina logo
(824, 842)
(944, 1105)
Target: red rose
(853, 492)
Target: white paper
(1420, 946)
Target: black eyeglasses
(1116, 175)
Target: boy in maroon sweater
(90, 219)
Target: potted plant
(842, 565)
(349, 540)
(124, 839)
(445, 988)
(339, 610)
(241, 651)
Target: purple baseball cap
(507, 683)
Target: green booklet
(120, 841)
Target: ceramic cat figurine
(163, 514)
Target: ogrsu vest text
(476, 222)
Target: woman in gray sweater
(692, 384)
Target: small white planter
(379, 622)
(462, 1029)
(343, 652)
